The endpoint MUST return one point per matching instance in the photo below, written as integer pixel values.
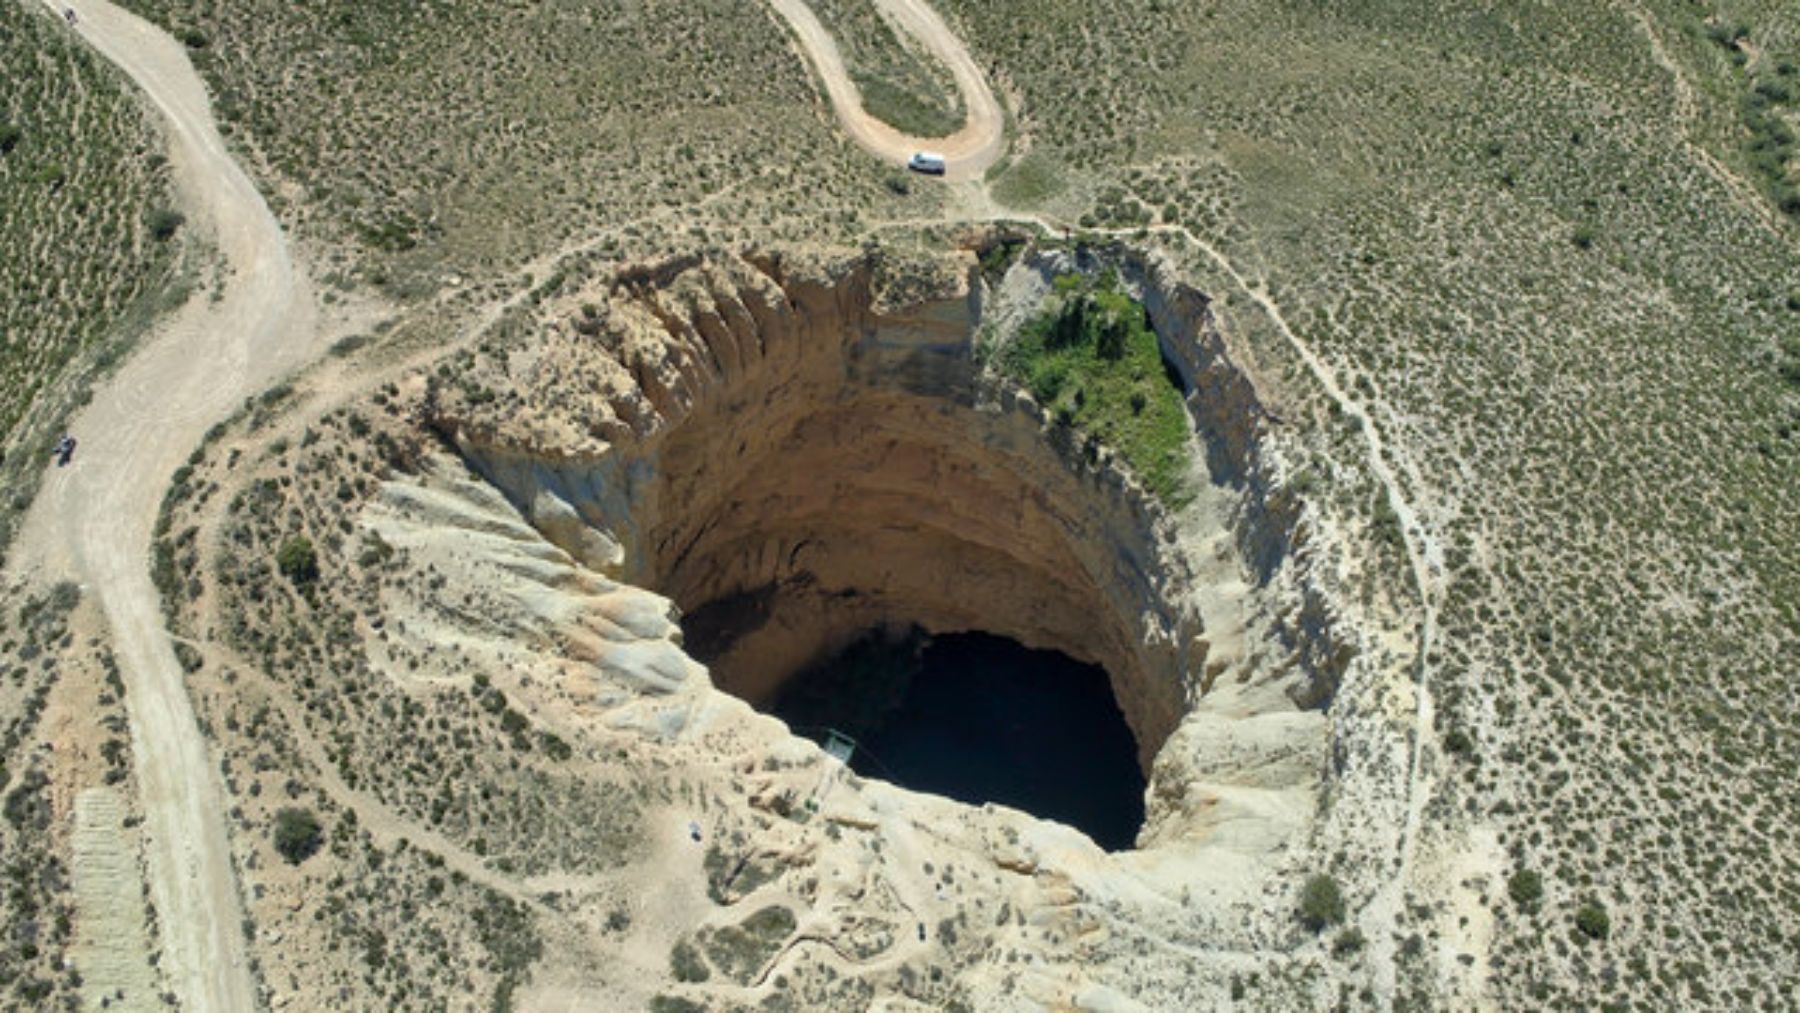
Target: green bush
(297, 834)
(163, 222)
(1321, 903)
(1526, 888)
(9, 137)
(1593, 920)
(297, 561)
(1093, 362)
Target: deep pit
(797, 452)
(979, 719)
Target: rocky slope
(749, 459)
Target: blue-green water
(980, 718)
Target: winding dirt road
(93, 520)
(969, 151)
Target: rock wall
(797, 448)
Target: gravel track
(93, 520)
(969, 151)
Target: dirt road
(93, 520)
(969, 151)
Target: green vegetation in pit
(901, 84)
(87, 242)
(1091, 359)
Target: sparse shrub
(1348, 942)
(376, 552)
(1526, 888)
(188, 656)
(1593, 921)
(163, 223)
(9, 137)
(739, 950)
(297, 834)
(1321, 903)
(345, 345)
(297, 561)
(555, 747)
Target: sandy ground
(93, 521)
(969, 151)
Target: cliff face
(705, 474)
(795, 449)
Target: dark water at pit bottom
(980, 718)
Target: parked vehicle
(929, 162)
(65, 450)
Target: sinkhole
(813, 461)
(866, 530)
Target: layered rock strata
(798, 448)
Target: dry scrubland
(1505, 230)
(399, 909)
(434, 143)
(1544, 246)
(87, 240)
(63, 735)
(900, 83)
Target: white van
(926, 161)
